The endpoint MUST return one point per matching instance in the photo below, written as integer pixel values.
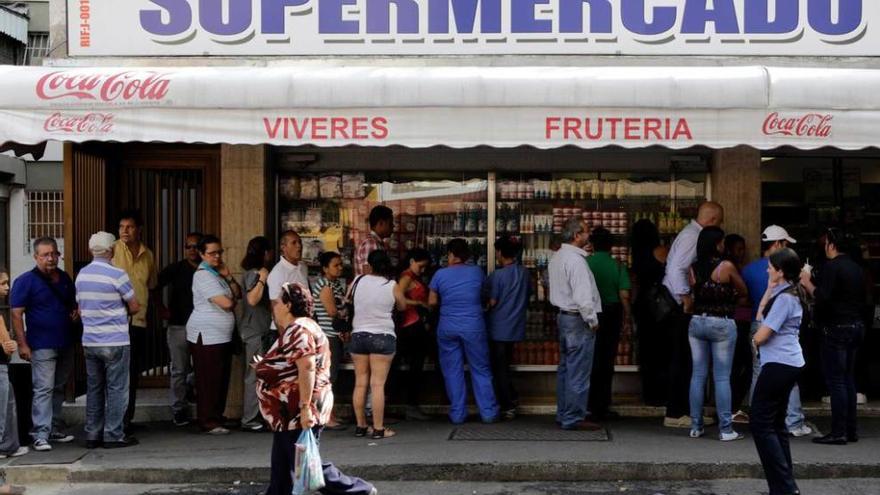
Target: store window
(38, 47)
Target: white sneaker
(219, 431)
(58, 437)
(801, 431)
(697, 433)
(18, 453)
(729, 437)
(861, 399)
(42, 445)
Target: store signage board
(473, 27)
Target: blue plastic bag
(308, 475)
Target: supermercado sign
(472, 27)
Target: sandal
(361, 431)
(383, 433)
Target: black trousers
(413, 345)
(283, 452)
(839, 348)
(678, 350)
(607, 338)
(741, 372)
(653, 361)
(501, 354)
(138, 336)
(767, 422)
(212, 365)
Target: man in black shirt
(840, 298)
(178, 278)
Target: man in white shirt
(289, 268)
(682, 255)
(573, 290)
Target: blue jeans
(576, 345)
(9, 423)
(712, 339)
(50, 369)
(107, 371)
(794, 414)
(454, 348)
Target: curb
(487, 472)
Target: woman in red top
(294, 390)
(413, 339)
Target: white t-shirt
(282, 273)
(373, 305)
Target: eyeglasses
(214, 253)
(47, 256)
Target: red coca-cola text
(122, 86)
(816, 125)
(90, 123)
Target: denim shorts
(372, 343)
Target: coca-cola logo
(810, 125)
(90, 123)
(121, 86)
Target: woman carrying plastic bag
(293, 387)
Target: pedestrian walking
(209, 333)
(131, 255)
(782, 361)
(682, 255)
(717, 288)
(373, 342)
(9, 440)
(508, 288)
(573, 290)
(414, 338)
(178, 278)
(612, 281)
(255, 325)
(106, 299)
(648, 266)
(840, 296)
(47, 298)
(328, 292)
(381, 227)
(755, 275)
(300, 356)
(461, 333)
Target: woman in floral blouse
(293, 387)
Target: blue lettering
(379, 16)
(757, 13)
(465, 12)
(633, 16)
(179, 18)
(272, 16)
(848, 20)
(522, 17)
(211, 16)
(697, 14)
(571, 16)
(330, 18)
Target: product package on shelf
(330, 186)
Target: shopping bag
(308, 475)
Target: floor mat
(60, 454)
(525, 433)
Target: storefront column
(242, 216)
(736, 184)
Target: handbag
(344, 318)
(660, 303)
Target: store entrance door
(175, 197)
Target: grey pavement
(857, 486)
(638, 449)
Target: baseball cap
(776, 233)
(101, 241)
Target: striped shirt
(102, 291)
(321, 315)
(208, 320)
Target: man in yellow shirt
(131, 255)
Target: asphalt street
(857, 486)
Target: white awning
(545, 107)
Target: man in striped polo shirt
(106, 299)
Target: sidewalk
(636, 449)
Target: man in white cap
(756, 278)
(106, 299)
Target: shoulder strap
(65, 301)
